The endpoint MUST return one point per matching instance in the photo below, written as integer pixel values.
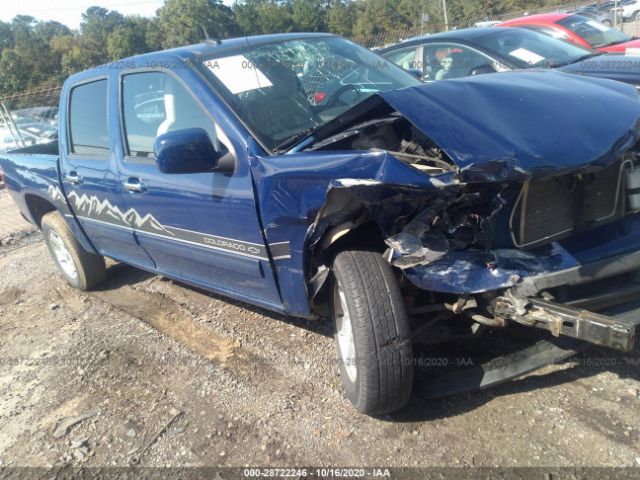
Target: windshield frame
(226, 96)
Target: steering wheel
(336, 95)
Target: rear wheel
(636, 16)
(372, 332)
(81, 269)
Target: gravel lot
(146, 371)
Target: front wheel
(81, 269)
(372, 332)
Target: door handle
(73, 178)
(133, 185)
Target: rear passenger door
(89, 176)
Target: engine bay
(395, 135)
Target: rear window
(88, 130)
(594, 33)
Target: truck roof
(206, 49)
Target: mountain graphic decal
(92, 207)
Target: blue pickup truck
(305, 174)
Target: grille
(551, 209)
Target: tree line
(34, 52)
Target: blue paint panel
(293, 189)
(36, 175)
(204, 264)
(99, 183)
(111, 241)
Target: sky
(68, 11)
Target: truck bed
(50, 148)
(30, 172)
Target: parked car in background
(629, 10)
(7, 140)
(472, 51)
(577, 29)
(44, 115)
(25, 136)
(487, 23)
(600, 13)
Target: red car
(577, 29)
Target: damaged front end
(480, 191)
(531, 192)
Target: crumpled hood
(524, 124)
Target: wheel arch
(38, 207)
(357, 233)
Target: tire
(636, 16)
(81, 269)
(607, 23)
(375, 353)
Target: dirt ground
(156, 373)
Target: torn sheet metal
(304, 194)
(500, 127)
(498, 130)
(474, 271)
(413, 249)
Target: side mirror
(191, 151)
(482, 69)
(416, 72)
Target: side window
(404, 58)
(154, 103)
(446, 61)
(88, 131)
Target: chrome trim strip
(261, 256)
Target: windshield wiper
(294, 139)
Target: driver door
(200, 228)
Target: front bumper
(603, 251)
(617, 332)
(558, 288)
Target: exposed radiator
(547, 210)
